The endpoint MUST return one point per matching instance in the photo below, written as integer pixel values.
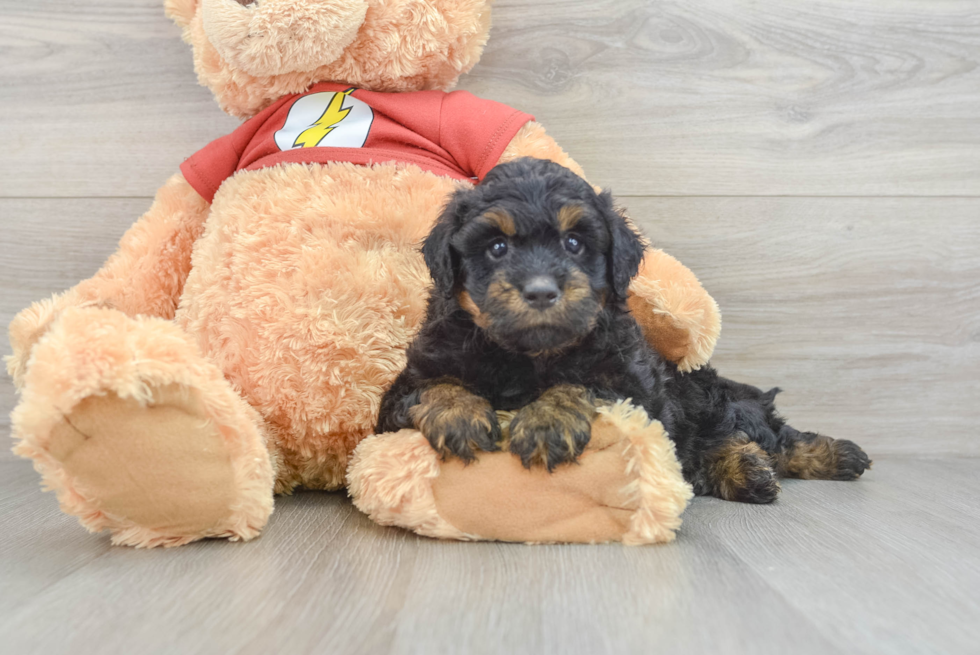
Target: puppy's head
(533, 254)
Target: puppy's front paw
(553, 429)
(456, 422)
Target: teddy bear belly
(306, 287)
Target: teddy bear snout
(272, 37)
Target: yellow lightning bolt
(324, 125)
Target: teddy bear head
(252, 52)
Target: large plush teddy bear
(238, 342)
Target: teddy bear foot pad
(141, 436)
(162, 466)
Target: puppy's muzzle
(541, 292)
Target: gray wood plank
(864, 567)
(752, 97)
(598, 599)
(878, 569)
(8, 398)
(40, 545)
(51, 244)
(865, 311)
(657, 98)
(942, 482)
(48, 246)
(321, 568)
(100, 99)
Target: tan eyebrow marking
(501, 220)
(568, 216)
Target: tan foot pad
(162, 465)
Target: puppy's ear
(440, 258)
(626, 248)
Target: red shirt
(453, 134)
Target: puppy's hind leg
(795, 454)
(739, 434)
(750, 444)
(812, 456)
(739, 469)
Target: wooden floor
(887, 565)
(816, 163)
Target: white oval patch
(334, 120)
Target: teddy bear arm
(144, 276)
(678, 316)
(532, 141)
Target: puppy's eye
(497, 248)
(573, 244)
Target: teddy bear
(238, 342)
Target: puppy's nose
(541, 292)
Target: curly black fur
(540, 324)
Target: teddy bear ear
(180, 11)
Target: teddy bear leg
(627, 486)
(678, 317)
(140, 435)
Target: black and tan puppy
(528, 313)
